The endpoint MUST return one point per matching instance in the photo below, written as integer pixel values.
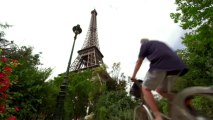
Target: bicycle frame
(180, 111)
(148, 112)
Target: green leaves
(193, 13)
(196, 15)
(83, 90)
(203, 105)
(28, 82)
(5, 25)
(114, 105)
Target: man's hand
(133, 79)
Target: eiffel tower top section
(92, 35)
(90, 55)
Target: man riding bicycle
(165, 67)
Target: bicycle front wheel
(140, 113)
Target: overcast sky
(47, 25)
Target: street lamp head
(77, 29)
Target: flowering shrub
(6, 69)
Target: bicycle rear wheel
(140, 113)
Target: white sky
(47, 25)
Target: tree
(5, 45)
(193, 14)
(118, 80)
(197, 17)
(116, 67)
(2, 27)
(83, 90)
(114, 105)
(28, 90)
(49, 94)
(7, 79)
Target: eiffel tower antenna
(90, 55)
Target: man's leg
(151, 82)
(165, 90)
(165, 94)
(151, 103)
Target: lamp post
(61, 97)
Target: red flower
(2, 75)
(4, 88)
(7, 69)
(12, 118)
(4, 85)
(4, 95)
(2, 108)
(4, 59)
(5, 81)
(17, 108)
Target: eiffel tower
(90, 55)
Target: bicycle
(181, 108)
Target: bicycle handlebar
(138, 82)
(135, 88)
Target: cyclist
(165, 67)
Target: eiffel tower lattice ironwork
(90, 55)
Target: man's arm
(137, 67)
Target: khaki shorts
(159, 80)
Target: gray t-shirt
(161, 56)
